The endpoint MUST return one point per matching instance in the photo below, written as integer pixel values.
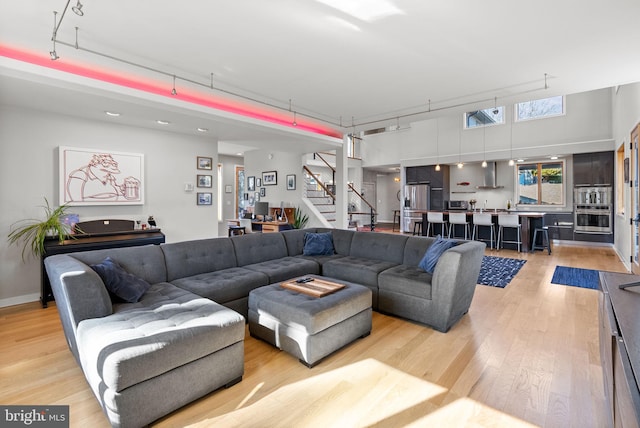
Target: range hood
(489, 181)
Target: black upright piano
(96, 235)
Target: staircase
(319, 194)
(320, 191)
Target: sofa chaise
(185, 336)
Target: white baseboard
(18, 300)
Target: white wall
(29, 172)
(586, 127)
(284, 163)
(626, 115)
(229, 164)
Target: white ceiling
(338, 66)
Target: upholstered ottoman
(310, 328)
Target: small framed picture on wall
(205, 198)
(291, 182)
(263, 192)
(204, 180)
(269, 178)
(258, 182)
(205, 162)
(251, 184)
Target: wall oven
(593, 210)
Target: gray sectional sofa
(185, 336)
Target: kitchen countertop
(488, 211)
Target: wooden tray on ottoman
(317, 288)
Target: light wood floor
(525, 355)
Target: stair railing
(372, 211)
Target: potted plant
(33, 231)
(299, 219)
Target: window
(541, 183)
(536, 109)
(488, 116)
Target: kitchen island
(529, 221)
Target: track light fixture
(437, 141)
(295, 123)
(484, 146)
(173, 91)
(511, 161)
(77, 9)
(460, 164)
(53, 54)
(495, 105)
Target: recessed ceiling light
(520, 160)
(162, 122)
(239, 153)
(112, 113)
(553, 157)
(203, 129)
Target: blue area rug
(576, 277)
(498, 271)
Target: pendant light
(460, 164)
(437, 143)
(511, 161)
(484, 146)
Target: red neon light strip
(255, 113)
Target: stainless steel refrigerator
(416, 200)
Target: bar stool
(460, 219)
(396, 220)
(484, 220)
(545, 238)
(417, 225)
(510, 221)
(436, 218)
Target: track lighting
(77, 9)
(173, 91)
(484, 146)
(437, 141)
(511, 161)
(53, 54)
(294, 119)
(495, 105)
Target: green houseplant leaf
(299, 219)
(33, 231)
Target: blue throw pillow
(318, 244)
(121, 283)
(433, 253)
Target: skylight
(364, 11)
